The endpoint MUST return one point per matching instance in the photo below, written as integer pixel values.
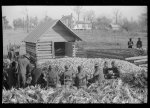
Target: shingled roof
(42, 28)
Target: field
(91, 39)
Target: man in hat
(130, 43)
(139, 43)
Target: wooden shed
(51, 39)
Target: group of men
(138, 44)
(80, 79)
(19, 72)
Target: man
(106, 71)
(68, 77)
(115, 70)
(53, 78)
(81, 78)
(130, 43)
(139, 43)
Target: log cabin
(51, 39)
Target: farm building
(115, 27)
(82, 25)
(51, 39)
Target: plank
(38, 55)
(44, 47)
(31, 44)
(44, 44)
(137, 57)
(142, 60)
(44, 52)
(53, 50)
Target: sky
(56, 12)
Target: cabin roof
(43, 27)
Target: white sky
(56, 12)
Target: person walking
(139, 43)
(130, 43)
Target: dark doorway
(59, 48)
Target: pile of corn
(131, 87)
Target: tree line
(101, 22)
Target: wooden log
(31, 44)
(43, 55)
(44, 47)
(44, 44)
(142, 60)
(44, 52)
(137, 57)
(53, 50)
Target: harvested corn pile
(131, 87)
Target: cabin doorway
(59, 48)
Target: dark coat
(38, 77)
(12, 75)
(53, 78)
(24, 68)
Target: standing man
(68, 77)
(139, 43)
(53, 78)
(130, 43)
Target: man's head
(66, 68)
(105, 64)
(96, 65)
(113, 63)
(79, 69)
(139, 39)
(130, 39)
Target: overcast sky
(56, 12)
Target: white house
(82, 25)
(115, 27)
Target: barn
(51, 39)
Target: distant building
(82, 25)
(115, 27)
(67, 20)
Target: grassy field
(91, 39)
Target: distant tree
(78, 10)
(89, 16)
(129, 25)
(102, 22)
(143, 21)
(5, 22)
(117, 15)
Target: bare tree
(78, 10)
(89, 16)
(25, 12)
(117, 15)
